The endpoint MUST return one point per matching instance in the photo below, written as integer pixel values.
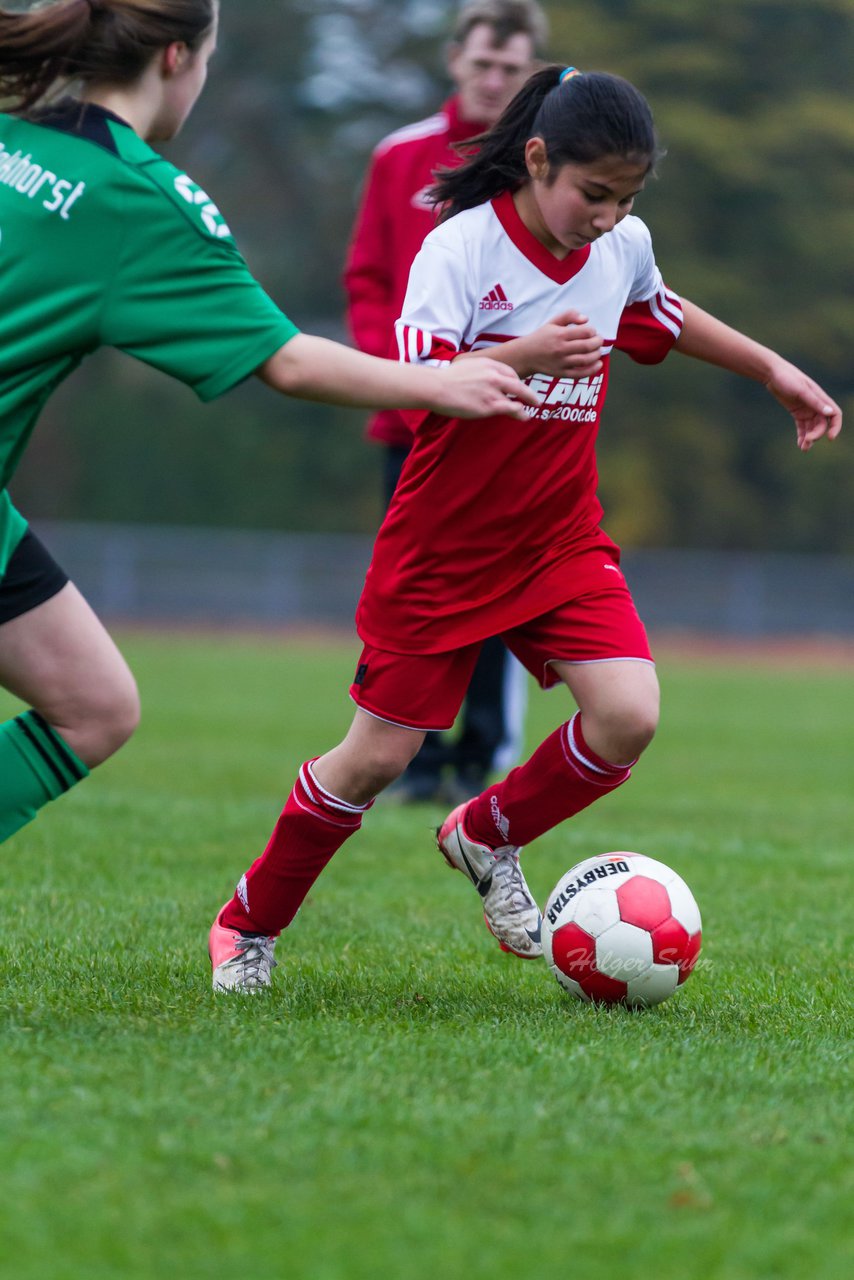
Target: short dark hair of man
(506, 18)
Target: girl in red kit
(494, 527)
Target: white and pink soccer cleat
(240, 961)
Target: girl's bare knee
(635, 730)
(371, 756)
(123, 718)
(622, 734)
(386, 762)
(98, 726)
(639, 732)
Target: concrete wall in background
(138, 573)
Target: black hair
(581, 120)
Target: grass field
(410, 1102)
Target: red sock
(313, 826)
(562, 777)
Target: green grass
(410, 1102)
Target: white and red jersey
(496, 521)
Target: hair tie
(569, 73)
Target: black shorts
(32, 576)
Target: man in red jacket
(492, 52)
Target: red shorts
(426, 691)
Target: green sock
(35, 766)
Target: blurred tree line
(751, 217)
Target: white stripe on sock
(579, 755)
(331, 800)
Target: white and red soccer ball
(621, 928)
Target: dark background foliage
(751, 217)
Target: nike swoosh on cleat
(482, 887)
(535, 934)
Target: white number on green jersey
(212, 218)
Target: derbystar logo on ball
(621, 928)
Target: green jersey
(104, 243)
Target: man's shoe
(414, 788)
(510, 912)
(240, 961)
(461, 785)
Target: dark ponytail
(91, 41)
(582, 119)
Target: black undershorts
(32, 576)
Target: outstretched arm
(317, 369)
(708, 339)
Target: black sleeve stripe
(21, 722)
(59, 747)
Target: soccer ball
(621, 928)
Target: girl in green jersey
(105, 243)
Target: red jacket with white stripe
(393, 219)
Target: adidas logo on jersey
(496, 300)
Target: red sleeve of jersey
(649, 329)
(415, 345)
(368, 279)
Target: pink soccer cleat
(240, 961)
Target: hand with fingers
(566, 347)
(814, 412)
(484, 388)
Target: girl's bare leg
(59, 659)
